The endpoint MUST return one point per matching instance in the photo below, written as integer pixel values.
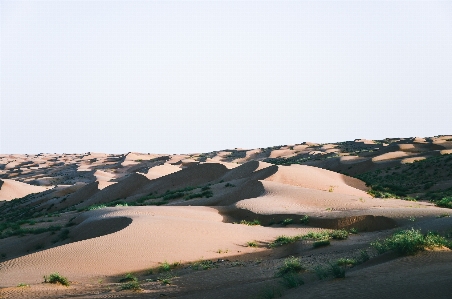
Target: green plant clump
(304, 219)
(337, 271)
(251, 244)
(56, 278)
(251, 223)
(283, 240)
(321, 243)
(291, 265)
(131, 285)
(410, 242)
(287, 221)
(445, 202)
(340, 234)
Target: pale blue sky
(196, 76)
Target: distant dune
(206, 225)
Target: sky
(197, 76)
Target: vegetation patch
(415, 178)
(283, 240)
(251, 244)
(56, 278)
(304, 219)
(410, 242)
(287, 221)
(203, 265)
(291, 265)
(321, 243)
(445, 202)
(251, 223)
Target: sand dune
(161, 170)
(65, 228)
(199, 230)
(10, 189)
(320, 179)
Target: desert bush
(346, 262)
(363, 256)
(251, 244)
(409, 242)
(131, 285)
(56, 278)
(337, 271)
(321, 272)
(251, 223)
(283, 240)
(204, 265)
(291, 265)
(445, 202)
(317, 235)
(321, 243)
(96, 207)
(304, 219)
(287, 221)
(165, 267)
(340, 234)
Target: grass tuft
(250, 223)
(251, 244)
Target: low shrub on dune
(56, 278)
(409, 242)
(446, 202)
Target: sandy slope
(155, 235)
(10, 189)
(109, 242)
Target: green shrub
(321, 272)
(287, 221)
(204, 265)
(346, 262)
(283, 240)
(251, 223)
(321, 243)
(340, 234)
(291, 265)
(337, 271)
(251, 244)
(56, 278)
(409, 242)
(131, 285)
(363, 256)
(317, 235)
(304, 219)
(96, 207)
(445, 202)
(165, 267)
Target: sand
(104, 244)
